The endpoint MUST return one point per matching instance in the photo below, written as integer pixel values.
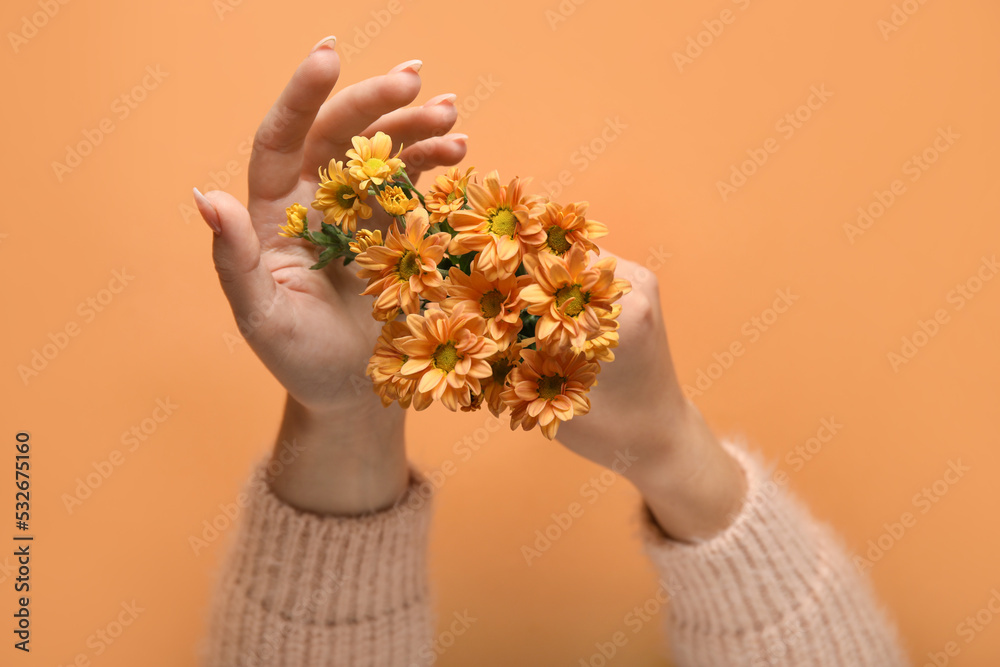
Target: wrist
(692, 486)
(344, 459)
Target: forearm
(691, 485)
(347, 460)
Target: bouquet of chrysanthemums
(504, 300)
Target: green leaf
(325, 257)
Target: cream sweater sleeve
(775, 589)
(298, 589)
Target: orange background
(555, 87)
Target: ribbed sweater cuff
(304, 589)
(774, 588)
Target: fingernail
(207, 211)
(459, 137)
(412, 65)
(325, 43)
(441, 99)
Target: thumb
(246, 282)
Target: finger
(354, 108)
(276, 160)
(245, 279)
(412, 124)
(435, 152)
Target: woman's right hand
(311, 328)
(340, 451)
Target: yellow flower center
(503, 222)
(557, 240)
(446, 357)
(373, 165)
(451, 196)
(550, 386)
(576, 298)
(408, 265)
(491, 304)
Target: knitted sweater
(775, 588)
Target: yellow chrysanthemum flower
(546, 390)
(369, 161)
(395, 201)
(568, 225)
(600, 347)
(446, 356)
(404, 270)
(447, 195)
(296, 221)
(500, 226)
(570, 296)
(364, 239)
(340, 198)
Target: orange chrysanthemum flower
(549, 389)
(501, 226)
(566, 226)
(600, 346)
(502, 363)
(498, 302)
(340, 198)
(369, 162)
(570, 296)
(395, 202)
(405, 268)
(447, 195)
(385, 364)
(447, 356)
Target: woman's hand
(638, 411)
(311, 328)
